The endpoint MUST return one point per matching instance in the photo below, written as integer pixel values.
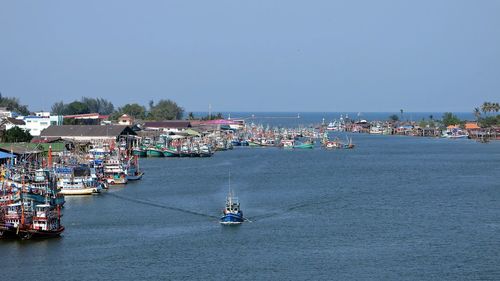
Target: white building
(4, 113)
(35, 124)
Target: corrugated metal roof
(87, 131)
(15, 121)
(20, 148)
(168, 124)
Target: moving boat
(232, 214)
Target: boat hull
(140, 153)
(13, 232)
(135, 177)
(155, 153)
(82, 191)
(304, 146)
(231, 219)
(170, 153)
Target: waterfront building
(173, 126)
(126, 120)
(94, 134)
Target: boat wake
(150, 203)
(292, 208)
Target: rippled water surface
(394, 208)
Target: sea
(392, 208)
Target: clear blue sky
(254, 55)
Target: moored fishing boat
(205, 151)
(304, 145)
(170, 152)
(288, 143)
(139, 151)
(154, 152)
(26, 220)
(114, 173)
(133, 171)
(78, 186)
(185, 151)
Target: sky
(259, 55)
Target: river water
(394, 208)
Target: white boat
(77, 186)
(288, 143)
(114, 173)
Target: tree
(76, 107)
(17, 134)
(131, 109)
(191, 116)
(58, 108)
(487, 120)
(450, 119)
(394, 118)
(165, 110)
(213, 117)
(423, 123)
(98, 105)
(13, 104)
(477, 113)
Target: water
(393, 208)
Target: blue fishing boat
(232, 214)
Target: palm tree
(477, 113)
(486, 107)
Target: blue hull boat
(231, 218)
(232, 213)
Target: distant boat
(170, 152)
(288, 143)
(154, 152)
(205, 151)
(139, 151)
(304, 145)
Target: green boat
(139, 152)
(253, 144)
(154, 152)
(304, 145)
(170, 152)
